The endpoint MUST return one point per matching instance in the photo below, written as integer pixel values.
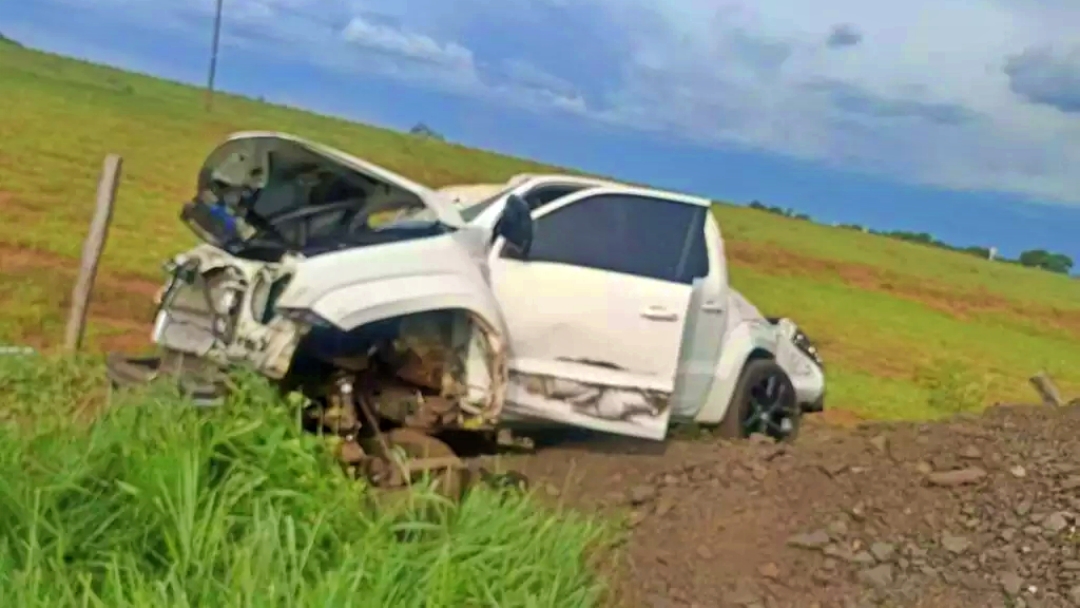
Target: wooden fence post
(1046, 388)
(91, 253)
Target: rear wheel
(764, 402)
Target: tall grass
(152, 502)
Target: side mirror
(516, 226)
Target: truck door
(597, 310)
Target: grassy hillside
(909, 331)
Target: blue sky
(959, 118)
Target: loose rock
(878, 578)
(883, 552)
(970, 452)
(958, 477)
(954, 544)
(863, 558)
(816, 540)
(642, 494)
(1010, 583)
(1055, 523)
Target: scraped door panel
(596, 313)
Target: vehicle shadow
(469, 445)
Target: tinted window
(635, 235)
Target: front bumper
(815, 407)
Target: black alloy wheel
(764, 402)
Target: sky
(958, 118)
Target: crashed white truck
(546, 301)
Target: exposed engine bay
(261, 197)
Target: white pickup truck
(550, 300)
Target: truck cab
(637, 279)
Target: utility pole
(213, 57)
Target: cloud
(928, 102)
(852, 100)
(1046, 75)
(843, 35)
(983, 95)
(406, 45)
(345, 36)
(527, 74)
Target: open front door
(596, 310)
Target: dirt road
(976, 512)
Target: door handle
(712, 307)
(659, 313)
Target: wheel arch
(354, 306)
(747, 343)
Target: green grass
(158, 503)
(890, 315)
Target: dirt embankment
(977, 512)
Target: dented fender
(741, 341)
(358, 304)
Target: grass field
(163, 504)
(908, 331)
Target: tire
(764, 391)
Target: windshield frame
(473, 211)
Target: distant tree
(786, 212)
(5, 40)
(1035, 258)
(982, 252)
(422, 130)
(1040, 258)
(915, 237)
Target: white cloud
(406, 45)
(966, 93)
(351, 36)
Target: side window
(635, 235)
(545, 194)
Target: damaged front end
(213, 313)
(222, 309)
(337, 279)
